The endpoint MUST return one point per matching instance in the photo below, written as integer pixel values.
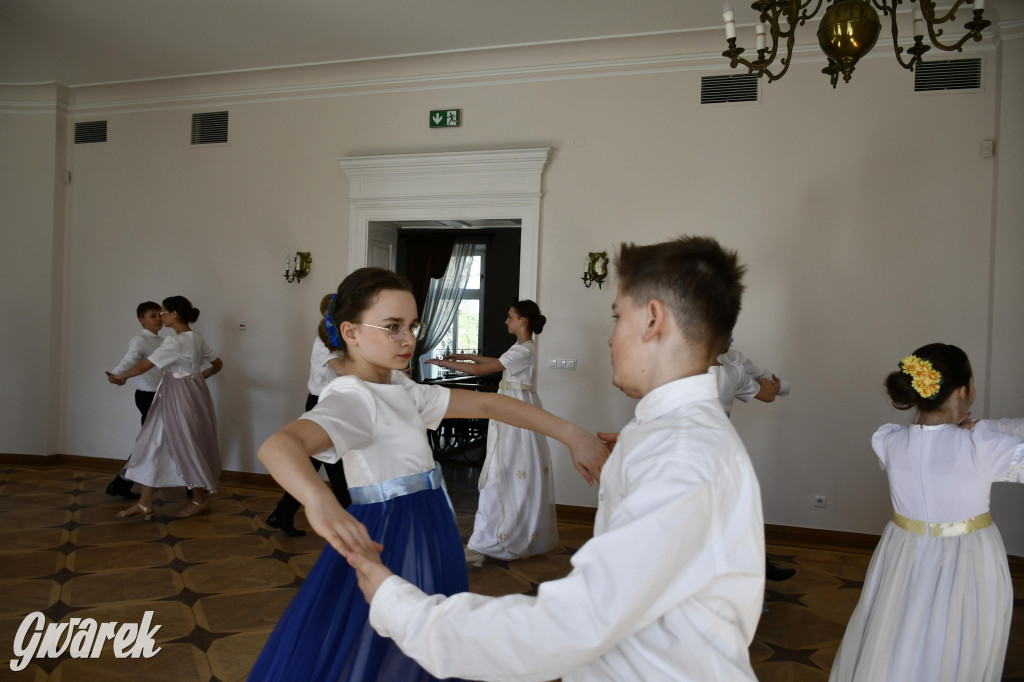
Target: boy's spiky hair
(145, 307)
(694, 277)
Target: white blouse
(379, 429)
(944, 473)
(182, 354)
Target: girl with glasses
(515, 517)
(374, 419)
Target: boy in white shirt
(140, 347)
(670, 586)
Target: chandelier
(848, 30)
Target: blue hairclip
(333, 335)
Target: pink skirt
(177, 445)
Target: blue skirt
(325, 633)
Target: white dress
(515, 517)
(936, 609)
(177, 445)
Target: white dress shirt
(669, 588)
(733, 383)
(321, 373)
(141, 347)
(733, 356)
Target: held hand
(609, 438)
(370, 572)
(341, 530)
(776, 384)
(114, 379)
(588, 456)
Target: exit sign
(446, 118)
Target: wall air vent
(955, 74)
(210, 127)
(741, 87)
(90, 131)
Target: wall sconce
(295, 269)
(596, 269)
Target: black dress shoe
(120, 487)
(778, 573)
(285, 525)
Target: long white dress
(936, 609)
(515, 517)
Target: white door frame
(485, 185)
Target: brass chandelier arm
(915, 50)
(928, 10)
(771, 13)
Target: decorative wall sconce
(295, 269)
(596, 269)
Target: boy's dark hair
(356, 293)
(145, 307)
(694, 277)
(952, 364)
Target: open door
(381, 246)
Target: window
(465, 333)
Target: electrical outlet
(820, 501)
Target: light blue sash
(396, 487)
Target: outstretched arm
(478, 365)
(286, 455)
(140, 367)
(588, 453)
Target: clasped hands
(116, 380)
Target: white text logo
(81, 638)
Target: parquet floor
(218, 583)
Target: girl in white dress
(177, 445)
(937, 597)
(515, 516)
(376, 419)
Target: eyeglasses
(396, 333)
(164, 312)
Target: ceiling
(82, 42)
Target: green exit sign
(446, 118)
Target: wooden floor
(218, 583)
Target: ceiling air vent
(955, 74)
(741, 87)
(210, 127)
(90, 131)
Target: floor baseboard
(787, 536)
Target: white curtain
(443, 298)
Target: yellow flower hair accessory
(925, 379)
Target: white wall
(31, 272)
(866, 216)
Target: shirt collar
(673, 395)
(146, 331)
